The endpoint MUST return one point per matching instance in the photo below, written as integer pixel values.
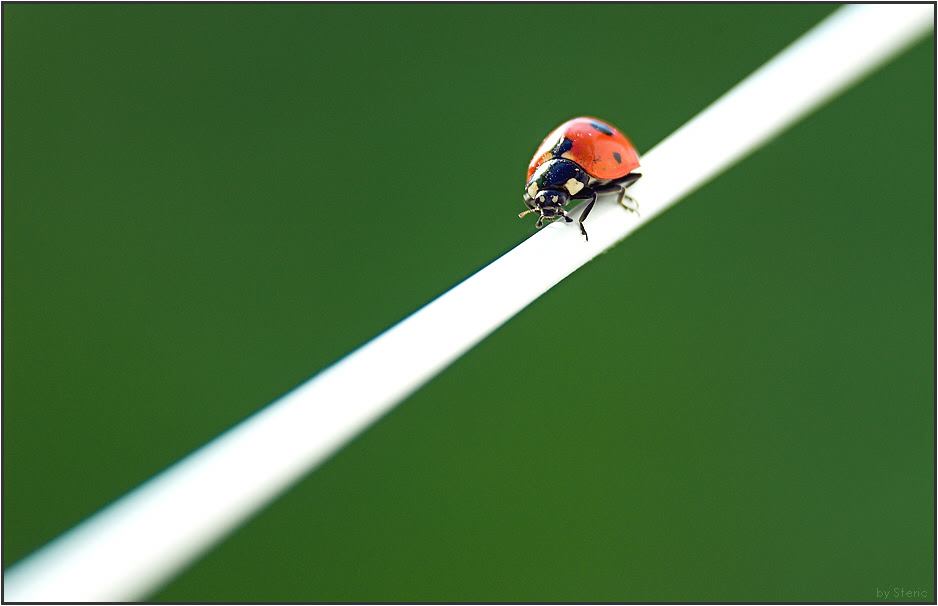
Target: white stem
(141, 540)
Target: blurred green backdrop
(203, 205)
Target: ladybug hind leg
(618, 186)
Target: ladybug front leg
(583, 194)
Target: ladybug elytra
(581, 159)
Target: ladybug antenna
(530, 210)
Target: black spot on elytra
(601, 128)
(617, 157)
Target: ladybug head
(549, 203)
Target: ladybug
(581, 159)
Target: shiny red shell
(598, 147)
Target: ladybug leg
(619, 186)
(628, 179)
(540, 220)
(583, 194)
(633, 207)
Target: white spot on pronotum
(532, 190)
(573, 186)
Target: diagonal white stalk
(141, 540)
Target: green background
(203, 205)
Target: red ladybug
(582, 158)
